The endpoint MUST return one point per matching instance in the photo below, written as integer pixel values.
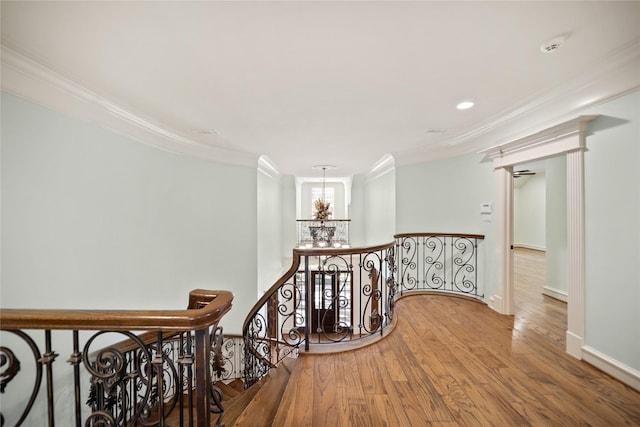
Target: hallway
(452, 362)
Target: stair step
(229, 390)
(237, 385)
(236, 405)
(261, 410)
(288, 398)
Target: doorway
(323, 304)
(566, 138)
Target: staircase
(256, 406)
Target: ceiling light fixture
(435, 130)
(464, 105)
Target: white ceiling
(307, 83)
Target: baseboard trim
(555, 293)
(495, 303)
(616, 369)
(574, 345)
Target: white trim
(559, 139)
(575, 245)
(266, 166)
(495, 303)
(29, 79)
(558, 294)
(574, 344)
(611, 366)
(569, 138)
(608, 78)
(503, 301)
(383, 166)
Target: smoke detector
(552, 45)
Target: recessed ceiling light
(464, 105)
(435, 130)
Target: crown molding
(613, 76)
(267, 167)
(383, 166)
(27, 78)
(562, 138)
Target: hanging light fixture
(322, 234)
(321, 206)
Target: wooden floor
(454, 362)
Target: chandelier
(322, 234)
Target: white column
(575, 252)
(502, 301)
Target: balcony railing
(337, 295)
(114, 376)
(328, 296)
(438, 262)
(231, 358)
(160, 367)
(314, 233)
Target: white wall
(91, 219)
(529, 212)
(556, 228)
(380, 209)
(289, 230)
(270, 232)
(612, 231)
(357, 233)
(444, 196)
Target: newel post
(203, 377)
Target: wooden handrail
(206, 307)
(339, 251)
(323, 220)
(470, 236)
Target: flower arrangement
(322, 209)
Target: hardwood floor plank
(455, 362)
(325, 397)
(464, 410)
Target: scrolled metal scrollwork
(111, 372)
(409, 263)
(100, 419)
(448, 262)
(371, 320)
(10, 367)
(465, 252)
(434, 251)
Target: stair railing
(144, 379)
(438, 262)
(231, 359)
(328, 296)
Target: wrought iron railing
(315, 233)
(144, 379)
(438, 262)
(231, 359)
(328, 296)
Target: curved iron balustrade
(144, 379)
(438, 262)
(328, 296)
(334, 295)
